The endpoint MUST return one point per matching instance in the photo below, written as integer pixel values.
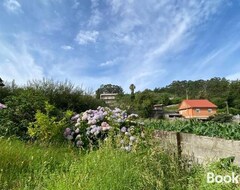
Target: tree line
(224, 93)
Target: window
(210, 110)
(198, 110)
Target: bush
(21, 109)
(50, 125)
(221, 118)
(93, 126)
(64, 95)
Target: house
(157, 111)
(109, 98)
(200, 109)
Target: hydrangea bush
(94, 126)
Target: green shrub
(49, 126)
(64, 95)
(222, 118)
(21, 109)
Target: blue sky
(93, 42)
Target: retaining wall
(203, 149)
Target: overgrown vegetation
(28, 166)
(24, 102)
(39, 112)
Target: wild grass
(30, 166)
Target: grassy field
(29, 166)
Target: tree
(132, 88)
(1, 82)
(108, 88)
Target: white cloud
(96, 15)
(17, 61)
(107, 63)
(151, 31)
(85, 37)
(19, 65)
(111, 62)
(66, 47)
(95, 19)
(12, 5)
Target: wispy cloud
(12, 6)
(155, 31)
(19, 64)
(75, 4)
(112, 62)
(66, 47)
(96, 15)
(85, 37)
(143, 42)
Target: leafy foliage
(210, 128)
(64, 95)
(49, 126)
(221, 118)
(21, 110)
(108, 88)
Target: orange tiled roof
(197, 104)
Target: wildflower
(127, 134)
(77, 130)
(120, 120)
(105, 126)
(67, 132)
(75, 117)
(123, 129)
(69, 137)
(133, 116)
(132, 138)
(85, 116)
(78, 137)
(77, 124)
(128, 148)
(92, 122)
(79, 143)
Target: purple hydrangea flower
(67, 132)
(75, 117)
(79, 144)
(123, 129)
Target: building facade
(200, 109)
(109, 98)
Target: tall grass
(28, 166)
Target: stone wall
(202, 149)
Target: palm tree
(132, 88)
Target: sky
(92, 42)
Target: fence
(202, 149)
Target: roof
(196, 104)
